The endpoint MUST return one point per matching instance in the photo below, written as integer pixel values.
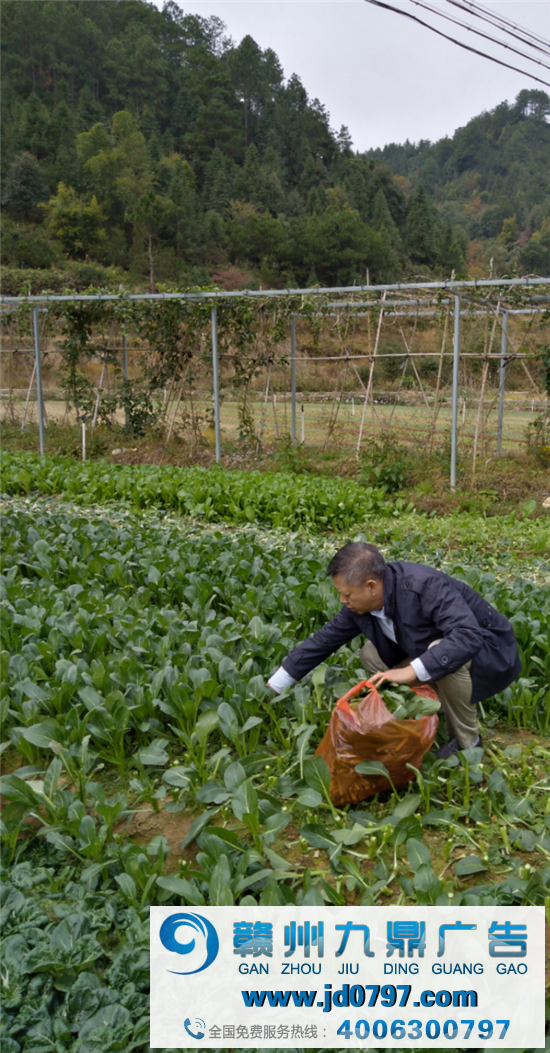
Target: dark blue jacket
(425, 605)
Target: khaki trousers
(454, 692)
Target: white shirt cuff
(280, 680)
(420, 669)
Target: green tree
(151, 131)
(509, 233)
(297, 127)
(421, 229)
(217, 125)
(532, 103)
(313, 174)
(77, 224)
(33, 127)
(186, 211)
(451, 251)
(183, 114)
(335, 245)
(149, 215)
(117, 165)
(135, 69)
(88, 111)
(256, 75)
(382, 217)
(24, 188)
(63, 163)
(218, 182)
(271, 196)
(387, 248)
(383, 258)
(28, 246)
(215, 236)
(316, 201)
(248, 181)
(344, 140)
(255, 237)
(534, 257)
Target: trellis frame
(455, 290)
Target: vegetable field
(144, 762)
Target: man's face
(360, 598)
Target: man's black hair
(357, 562)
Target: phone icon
(198, 1023)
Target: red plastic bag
(367, 731)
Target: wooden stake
(415, 369)
(438, 382)
(178, 400)
(405, 365)
(274, 402)
(337, 401)
(23, 422)
(264, 407)
(371, 371)
(99, 387)
(167, 397)
(485, 371)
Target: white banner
(336, 976)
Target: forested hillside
(144, 144)
(492, 180)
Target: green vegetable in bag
(405, 704)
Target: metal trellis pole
(454, 421)
(38, 364)
(222, 296)
(502, 380)
(293, 379)
(216, 383)
(125, 375)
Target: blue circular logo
(205, 939)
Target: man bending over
(420, 625)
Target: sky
(380, 74)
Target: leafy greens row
(212, 495)
(135, 655)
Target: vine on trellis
(177, 333)
(177, 337)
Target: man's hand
(406, 675)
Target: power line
(453, 40)
(503, 24)
(525, 36)
(479, 32)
